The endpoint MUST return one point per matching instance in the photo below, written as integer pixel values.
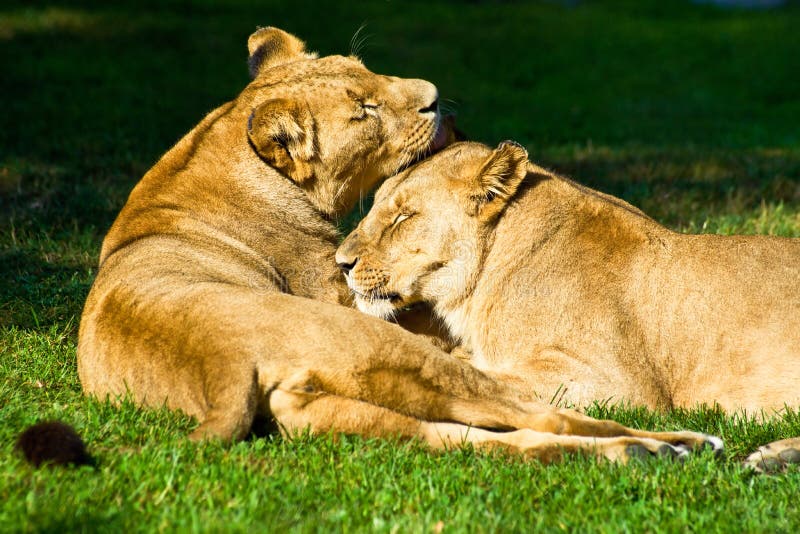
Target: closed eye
(370, 108)
(400, 218)
(366, 109)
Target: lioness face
(425, 236)
(331, 125)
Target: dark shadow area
(77, 521)
(39, 293)
(263, 426)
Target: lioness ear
(282, 133)
(499, 178)
(270, 47)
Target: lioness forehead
(312, 73)
(453, 164)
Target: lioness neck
(523, 249)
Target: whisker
(445, 109)
(354, 39)
(341, 189)
(362, 44)
(358, 41)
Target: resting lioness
(569, 288)
(218, 293)
(567, 291)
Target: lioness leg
(232, 402)
(298, 408)
(386, 366)
(305, 401)
(284, 342)
(566, 421)
(775, 456)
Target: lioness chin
(218, 294)
(570, 292)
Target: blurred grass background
(688, 111)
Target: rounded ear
(282, 133)
(269, 47)
(499, 177)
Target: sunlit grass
(150, 477)
(769, 219)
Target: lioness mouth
(373, 295)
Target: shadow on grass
(39, 293)
(76, 521)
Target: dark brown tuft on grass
(55, 443)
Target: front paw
(775, 457)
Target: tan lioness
(572, 293)
(218, 293)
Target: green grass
(686, 111)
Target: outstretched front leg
(298, 408)
(571, 422)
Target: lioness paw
(698, 442)
(775, 457)
(641, 452)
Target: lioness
(218, 293)
(562, 289)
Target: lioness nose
(433, 107)
(346, 266)
(421, 94)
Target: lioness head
(424, 238)
(329, 124)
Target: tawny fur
(218, 294)
(577, 295)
